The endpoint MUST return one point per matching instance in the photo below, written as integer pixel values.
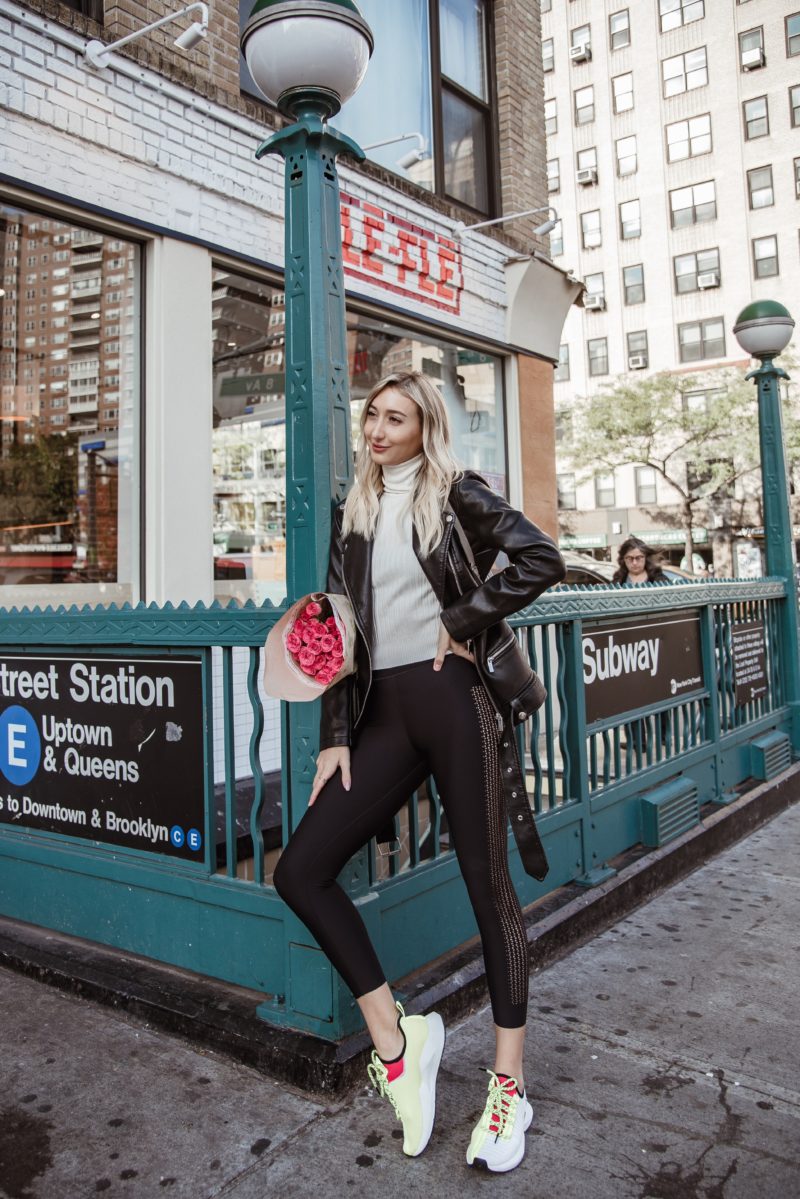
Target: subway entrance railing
(146, 781)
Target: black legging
(417, 722)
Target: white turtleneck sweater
(406, 610)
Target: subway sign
(641, 661)
(110, 749)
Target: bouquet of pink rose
(315, 643)
(310, 648)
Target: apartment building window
(759, 187)
(794, 107)
(548, 55)
(557, 240)
(619, 29)
(630, 219)
(563, 426)
(553, 176)
(687, 139)
(692, 205)
(633, 283)
(701, 339)
(637, 348)
(580, 36)
(561, 372)
(550, 118)
(584, 105)
(446, 95)
(622, 86)
(586, 159)
(591, 233)
(797, 178)
(673, 13)
(565, 490)
(765, 256)
(605, 493)
(756, 117)
(687, 268)
(597, 353)
(627, 158)
(684, 72)
(595, 284)
(751, 49)
(645, 485)
(793, 35)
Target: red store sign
(400, 256)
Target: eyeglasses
(634, 558)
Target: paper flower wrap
(310, 648)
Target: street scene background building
(674, 162)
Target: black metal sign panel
(749, 651)
(106, 748)
(640, 661)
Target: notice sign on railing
(644, 660)
(106, 748)
(749, 653)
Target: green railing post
(764, 329)
(778, 534)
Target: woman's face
(393, 428)
(635, 560)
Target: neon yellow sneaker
(410, 1084)
(498, 1140)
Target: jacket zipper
(501, 649)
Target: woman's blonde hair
(436, 475)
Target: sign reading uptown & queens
(105, 748)
(644, 660)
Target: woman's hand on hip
(328, 762)
(446, 643)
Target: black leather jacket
(491, 525)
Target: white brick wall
(129, 141)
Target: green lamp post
(308, 57)
(763, 330)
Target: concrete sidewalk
(662, 1063)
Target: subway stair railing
(146, 780)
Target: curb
(222, 1017)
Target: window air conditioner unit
(708, 279)
(594, 301)
(753, 59)
(581, 53)
(637, 362)
(586, 176)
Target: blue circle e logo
(20, 745)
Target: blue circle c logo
(20, 745)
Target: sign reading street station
(646, 660)
(106, 748)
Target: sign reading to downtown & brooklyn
(106, 748)
(645, 660)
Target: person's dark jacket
(490, 525)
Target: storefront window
(249, 442)
(69, 399)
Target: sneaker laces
(501, 1105)
(379, 1077)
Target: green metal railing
(221, 917)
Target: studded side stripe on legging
(507, 904)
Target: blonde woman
(410, 546)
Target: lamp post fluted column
(308, 57)
(763, 329)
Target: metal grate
(669, 810)
(769, 755)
